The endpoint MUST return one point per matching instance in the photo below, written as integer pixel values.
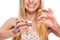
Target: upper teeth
(31, 5)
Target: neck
(30, 14)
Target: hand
(47, 18)
(9, 24)
(22, 24)
(50, 21)
(7, 30)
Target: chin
(31, 10)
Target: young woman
(43, 21)
(39, 24)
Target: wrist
(1, 35)
(56, 30)
(2, 39)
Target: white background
(10, 8)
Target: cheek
(25, 5)
(25, 1)
(34, 8)
(37, 3)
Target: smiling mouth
(31, 5)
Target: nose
(31, 1)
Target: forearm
(56, 27)
(1, 36)
(2, 39)
(56, 31)
(4, 34)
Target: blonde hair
(41, 28)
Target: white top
(29, 35)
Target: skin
(51, 22)
(6, 31)
(31, 7)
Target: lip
(31, 5)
